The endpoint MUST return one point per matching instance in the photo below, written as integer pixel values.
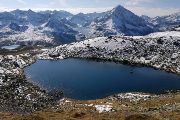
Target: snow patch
(103, 108)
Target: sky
(150, 8)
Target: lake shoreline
(37, 87)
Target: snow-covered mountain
(163, 23)
(61, 30)
(30, 17)
(120, 21)
(59, 27)
(58, 14)
(29, 27)
(31, 36)
(83, 20)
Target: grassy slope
(162, 107)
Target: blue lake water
(86, 79)
(10, 47)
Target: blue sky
(147, 7)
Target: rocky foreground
(16, 93)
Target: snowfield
(31, 35)
(164, 34)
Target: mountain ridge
(59, 27)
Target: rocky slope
(158, 50)
(16, 93)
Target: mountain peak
(30, 11)
(17, 11)
(119, 8)
(120, 20)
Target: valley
(42, 50)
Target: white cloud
(132, 5)
(87, 10)
(152, 12)
(136, 2)
(63, 2)
(60, 3)
(21, 1)
(71, 10)
(52, 5)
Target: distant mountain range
(163, 23)
(59, 27)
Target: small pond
(86, 79)
(10, 47)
